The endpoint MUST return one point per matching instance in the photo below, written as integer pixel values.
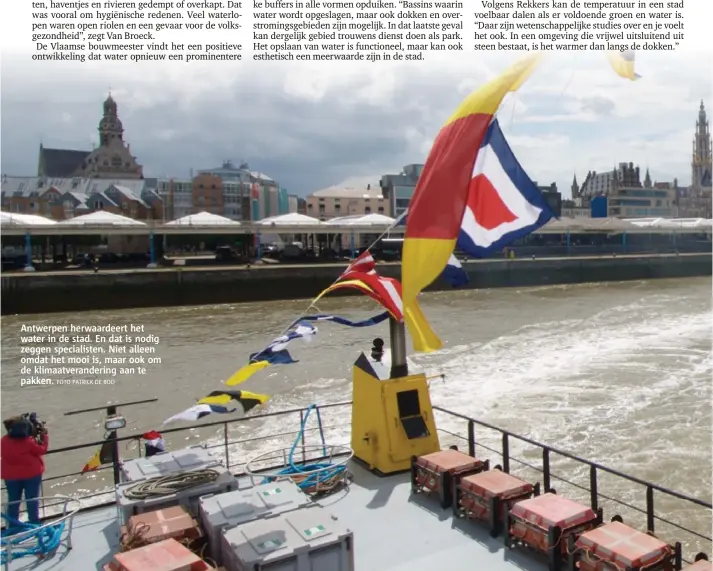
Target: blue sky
(311, 127)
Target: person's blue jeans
(31, 488)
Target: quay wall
(49, 292)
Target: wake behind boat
(397, 498)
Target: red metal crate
(155, 526)
(618, 547)
(488, 496)
(545, 523)
(167, 555)
(434, 472)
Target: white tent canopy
(611, 224)
(9, 219)
(375, 219)
(565, 224)
(203, 219)
(292, 219)
(101, 218)
(670, 222)
(362, 220)
(342, 220)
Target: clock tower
(112, 159)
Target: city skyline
(309, 132)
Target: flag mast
(397, 334)
(397, 338)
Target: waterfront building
(628, 197)
(657, 200)
(552, 196)
(620, 193)
(62, 198)
(112, 159)
(292, 203)
(301, 205)
(337, 201)
(71, 182)
(650, 200)
(237, 193)
(626, 175)
(574, 211)
(575, 208)
(398, 189)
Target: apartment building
(237, 193)
(339, 201)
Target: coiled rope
(325, 476)
(171, 484)
(48, 539)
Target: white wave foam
(583, 383)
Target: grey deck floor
(392, 532)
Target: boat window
(408, 403)
(410, 414)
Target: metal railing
(225, 444)
(506, 438)
(594, 472)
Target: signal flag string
(313, 304)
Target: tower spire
(575, 187)
(701, 160)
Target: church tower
(575, 188)
(110, 127)
(112, 159)
(701, 163)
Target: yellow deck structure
(392, 419)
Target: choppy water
(617, 373)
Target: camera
(24, 425)
(38, 426)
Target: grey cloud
(248, 113)
(304, 144)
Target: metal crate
(309, 539)
(192, 458)
(242, 506)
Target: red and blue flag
(503, 203)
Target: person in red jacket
(22, 466)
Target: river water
(619, 373)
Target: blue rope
(327, 470)
(48, 538)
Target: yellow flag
(424, 338)
(224, 397)
(244, 373)
(623, 64)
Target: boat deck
(393, 531)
